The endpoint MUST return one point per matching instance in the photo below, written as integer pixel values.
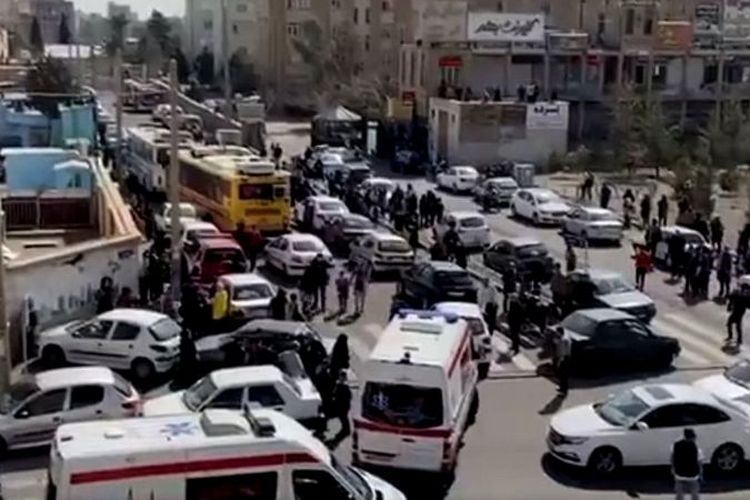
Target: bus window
(403, 405)
(260, 486)
(256, 191)
(279, 192)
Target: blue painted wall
(33, 169)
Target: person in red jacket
(643, 265)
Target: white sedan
(593, 224)
(732, 385)
(384, 251)
(250, 295)
(542, 206)
(472, 228)
(292, 253)
(145, 342)
(314, 211)
(458, 179)
(638, 426)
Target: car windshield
(533, 250)
(693, 239)
(331, 206)
(398, 246)
(545, 197)
(739, 373)
(453, 278)
(306, 246)
(504, 183)
(290, 363)
(185, 211)
(580, 324)
(16, 395)
(353, 479)
(357, 223)
(612, 284)
(198, 393)
(165, 329)
(621, 409)
(472, 222)
(599, 216)
(252, 292)
(402, 405)
(465, 171)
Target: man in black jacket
(686, 466)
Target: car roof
(244, 279)
(597, 210)
(522, 241)
(463, 309)
(598, 273)
(228, 377)
(141, 316)
(539, 191)
(659, 394)
(679, 229)
(220, 242)
(383, 236)
(73, 376)
(505, 179)
(320, 197)
(465, 214)
(378, 180)
(192, 224)
(275, 326)
(292, 237)
(443, 265)
(464, 166)
(603, 314)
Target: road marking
(520, 360)
(697, 327)
(698, 345)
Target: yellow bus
(234, 185)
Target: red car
(214, 257)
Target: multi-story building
(49, 14)
(689, 54)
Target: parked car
(384, 251)
(501, 189)
(214, 256)
(427, 283)
(638, 426)
(541, 206)
(458, 179)
(193, 230)
(529, 255)
(691, 237)
(611, 340)
(36, 405)
(145, 342)
(732, 385)
(163, 113)
(188, 213)
(351, 228)
(265, 386)
(313, 212)
(593, 224)
(471, 227)
(292, 253)
(250, 295)
(592, 288)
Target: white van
(219, 454)
(418, 394)
(480, 332)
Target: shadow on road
(637, 481)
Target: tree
(156, 43)
(64, 36)
(204, 67)
(36, 40)
(242, 73)
(116, 40)
(49, 83)
(183, 66)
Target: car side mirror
(22, 414)
(641, 426)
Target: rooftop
(67, 377)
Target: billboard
(547, 116)
(737, 19)
(674, 35)
(501, 27)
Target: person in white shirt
(488, 298)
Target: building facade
(689, 54)
(49, 14)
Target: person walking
(361, 281)
(510, 278)
(220, 304)
(605, 194)
(342, 403)
(563, 349)
(278, 305)
(515, 322)
(717, 232)
(642, 266)
(724, 272)
(105, 296)
(662, 210)
(571, 261)
(488, 298)
(340, 354)
(254, 246)
(343, 283)
(687, 460)
(645, 209)
(321, 278)
(737, 305)
(558, 286)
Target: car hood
(251, 304)
(212, 342)
(57, 332)
(624, 300)
(554, 206)
(388, 491)
(722, 387)
(169, 404)
(605, 223)
(579, 421)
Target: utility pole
(174, 184)
(4, 327)
(118, 112)
(228, 111)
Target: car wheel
(605, 461)
(727, 458)
(53, 355)
(143, 369)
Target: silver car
(34, 407)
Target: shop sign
(547, 116)
(501, 27)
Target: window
(695, 414)
(386, 6)
(46, 403)
(356, 15)
(367, 16)
(403, 405)
(235, 29)
(298, 4)
(629, 21)
(241, 7)
(93, 330)
(666, 416)
(293, 29)
(230, 399)
(317, 484)
(208, 25)
(367, 43)
(264, 395)
(648, 23)
(336, 4)
(601, 23)
(259, 486)
(86, 395)
(499, 6)
(126, 331)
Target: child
(342, 289)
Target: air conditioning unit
(250, 167)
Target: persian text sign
(500, 27)
(547, 116)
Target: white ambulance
(217, 455)
(418, 394)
